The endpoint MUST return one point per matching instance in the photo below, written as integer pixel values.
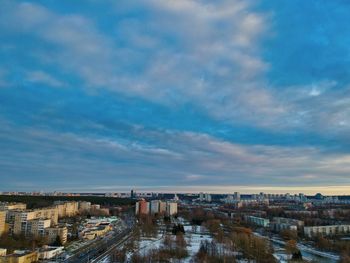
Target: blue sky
(175, 95)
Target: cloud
(43, 78)
(208, 55)
(148, 79)
(174, 159)
(201, 53)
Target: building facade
(2, 222)
(259, 221)
(171, 208)
(331, 230)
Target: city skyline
(175, 96)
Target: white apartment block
(258, 221)
(154, 206)
(171, 208)
(311, 231)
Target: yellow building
(12, 206)
(98, 231)
(20, 257)
(53, 232)
(67, 209)
(2, 222)
(36, 227)
(18, 220)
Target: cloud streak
(199, 159)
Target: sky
(165, 95)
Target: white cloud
(43, 78)
(187, 52)
(213, 61)
(175, 159)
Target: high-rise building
(36, 227)
(237, 196)
(171, 208)
(84, 206)
(18, 220)
(67, 209)
(2, 222)
(142, 207)
(207, 197)
(137, 208)
(132, 193)
(201, 196)
(162, 207)
(154, 206)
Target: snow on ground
(194, 235)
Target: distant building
(319, 196)
(142, 207)
(259, 221)
(207, 197)
(237, 196)
(176, 198)
(154, 206)
(281, 223)
(132, 193)
(67, 209)
(331, 230)
(162, 207)
(95, 207)
(171, 208)
(84, 206)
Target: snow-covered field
(193, 236)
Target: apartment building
(84, 206)
(18, 220)
(142, 207)
(2, 222)
(36, 227)
(281, 223)
(67, 209)
(171, 208)
(53, 232)
(154, 206)
(162, 207)
(12, 206)
(312, 231)
(259, 221)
